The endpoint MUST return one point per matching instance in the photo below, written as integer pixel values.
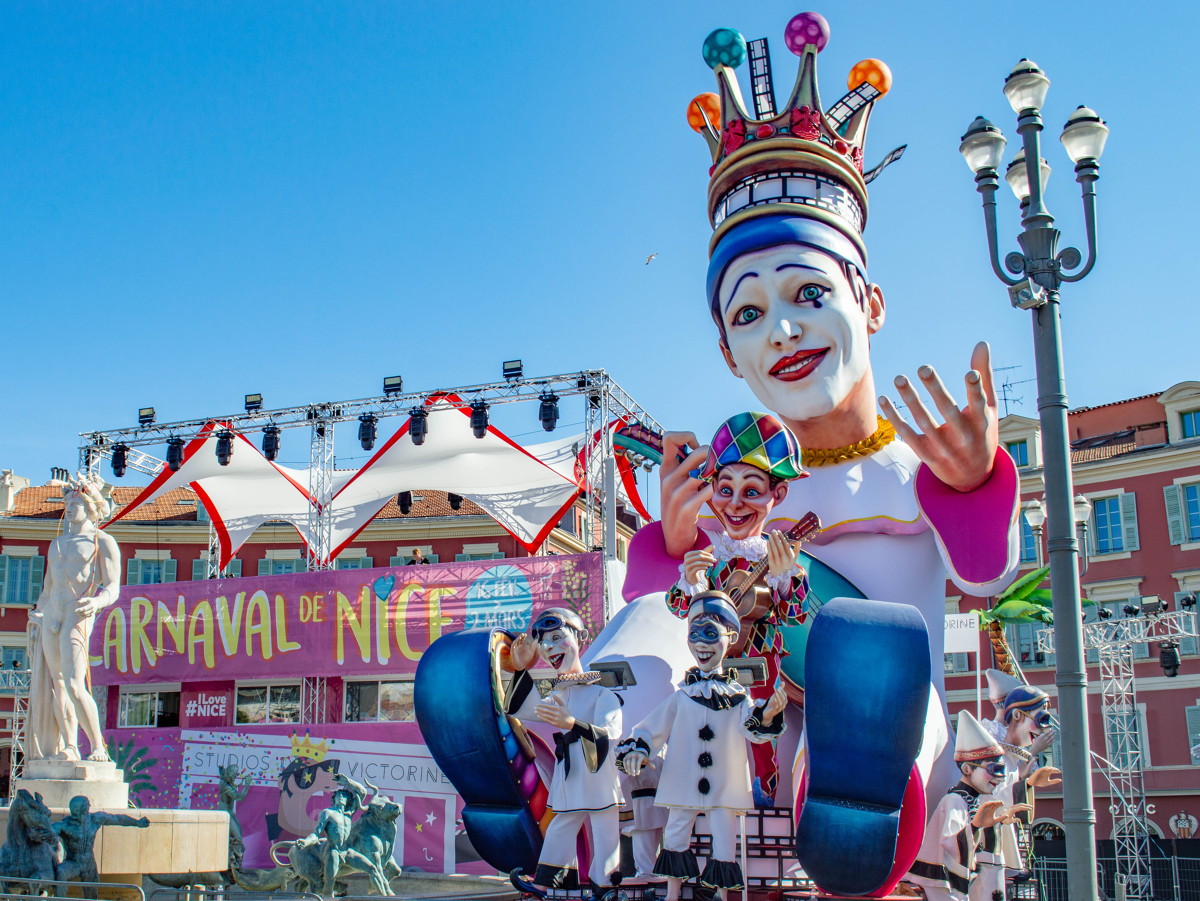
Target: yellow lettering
(436, 620)
(258, 623)
(140, 612)
(114, 639)
(400, 620)
(176, 626)
(200, 631)
(360, 625)
(281, 620)
(383, 639)
(306, 608)
(230, 627)
(318, 607)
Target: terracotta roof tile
(36, 503)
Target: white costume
(584, 785)
(1001, 852)
(705, 725)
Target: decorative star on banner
(430, 818)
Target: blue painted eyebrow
(737, 284)
(783, 266)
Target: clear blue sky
(205, 200)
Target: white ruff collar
(710, 687)
(726, 548)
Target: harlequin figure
(704, 725)
(946, 864)
(583, 789)
(1025, 716)
(751, 461)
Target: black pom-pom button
(703, 786)
(706, 733)
(705, 759)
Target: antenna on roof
(1007, 385)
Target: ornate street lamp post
(1036, 275)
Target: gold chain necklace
(826, 456)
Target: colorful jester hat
(758, 439)
(792, 176)
(972, 742)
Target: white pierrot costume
(1000, 684)
(946, 864)
(575, 785)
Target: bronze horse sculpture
(31, 848)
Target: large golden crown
(804, 160)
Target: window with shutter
(1193, 728)
(1129, 520)
(233, 570)
(1191, 644)
(133, 571)
(199, 569)
(1173, 499)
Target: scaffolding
(1114, 641)
(15, 683)
(605, 403)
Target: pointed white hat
(973, 742)
(1000, 684)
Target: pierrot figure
(751, 462)
(584, 788)
(964, 818)
(704, 725)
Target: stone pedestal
(58, 781)
(177, 841)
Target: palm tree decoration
(1025, 601)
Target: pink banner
(332, 623)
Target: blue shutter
(499, 555)
(3, 580)
(1129, 520)
(366, 563)
(1173, 496)
(233, 569)
(170, 567)
(133, 571)
(397, 561)
(1193, 728)
(37, 572)
(461, 558)
(264, 567)
(199, 569)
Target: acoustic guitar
(751, 599)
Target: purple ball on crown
(805, 29)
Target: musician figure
(751, 461)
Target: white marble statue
(82, 577)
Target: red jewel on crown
(805, 123)
(735, 135)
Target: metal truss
(314, 697)
(1114, 641)
(16, 683)
(605, 402)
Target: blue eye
(746, 315)
(812, 294)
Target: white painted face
(794, 329)
(1024, 729)
(560, 649)
(980, 778)
(708, 640)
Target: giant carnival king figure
(903, 507)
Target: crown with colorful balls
(805, 160)
(307, 749)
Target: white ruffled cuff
(778, 583)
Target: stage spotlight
(455, 501)
(366, 430)
(404, 499)
(479, 418)
(594, 400)
(548, 411)
(174, 454)
(119, 454)
(224, 446)
(1131, 610)
(513, 369)
(1104, 613)
(270, 443)
(418, 425)
(1168, 658)
(253, 402)
(1188, 601)
(1153, 605)
(146, 416)
(393, 384)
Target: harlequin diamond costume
(946, 864)
(704, 725)
(795, 178)
(762, 441)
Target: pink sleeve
(649, 568)
(976, 531)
